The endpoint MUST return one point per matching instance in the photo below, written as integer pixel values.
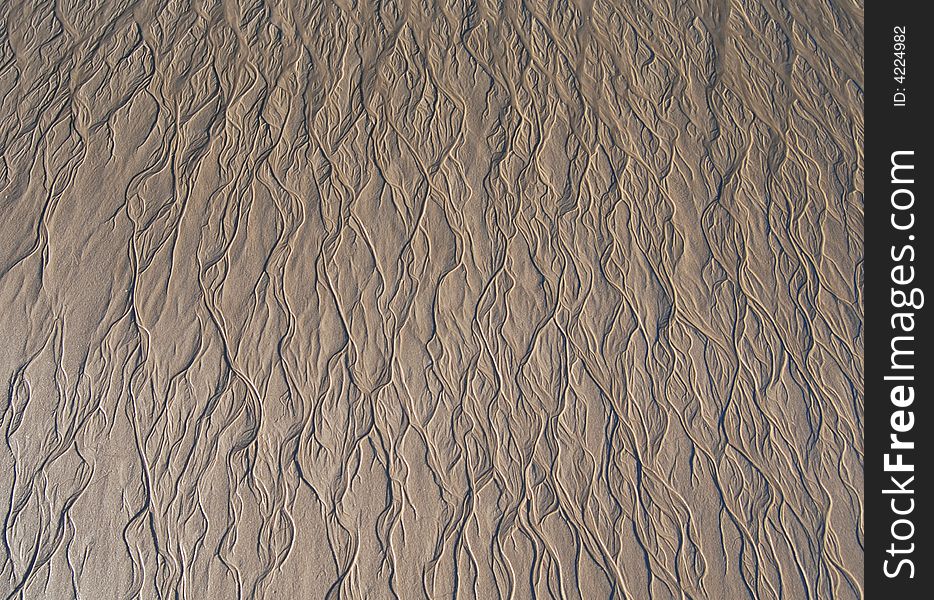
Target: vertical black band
(898, 169)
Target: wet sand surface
(431, 300)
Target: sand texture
(403, 300)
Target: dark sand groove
(431, 300)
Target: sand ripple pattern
(431, 300)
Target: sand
(431, 300)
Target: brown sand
(416, 300)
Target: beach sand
(431, 300)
